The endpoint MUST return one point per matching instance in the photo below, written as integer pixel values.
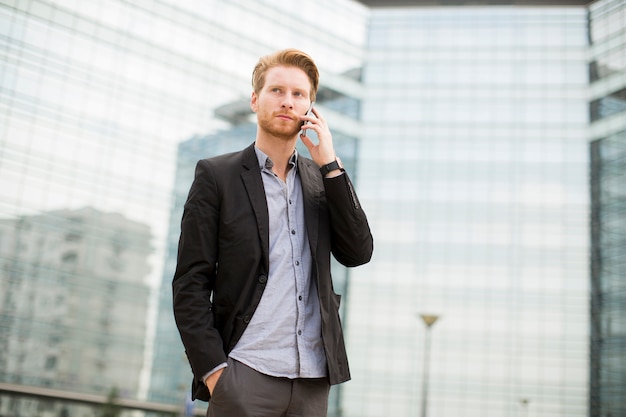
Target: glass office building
(607, 111)
(95, 97)
(607, 385)
(471, 160)
(473, 170)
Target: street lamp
(524, 403)
(428, 320)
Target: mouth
(284, 117)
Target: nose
(287, 101)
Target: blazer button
(262, 279)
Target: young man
(253, 295)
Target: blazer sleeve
(194, 279)
(352, 241)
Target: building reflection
(74, 304)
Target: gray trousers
(243, 392)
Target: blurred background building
(607, 110)
(74, 303)
(474, 159)
(488, 147)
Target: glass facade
(473, 170)
(607, 363)
(471, 160)
(74, 301)
(94, 99)
(607, 385)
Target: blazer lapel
(253, 183)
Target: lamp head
(429, 319)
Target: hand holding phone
(320, 142)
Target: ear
(253, 102)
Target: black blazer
(223, 256)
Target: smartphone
(309, 112)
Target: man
(253, 295)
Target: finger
(316, 113)
(307, 141)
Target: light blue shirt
(284, 337)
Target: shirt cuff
(214, 370)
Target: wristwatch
(336, 164)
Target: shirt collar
(267, 163)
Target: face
(284, 96)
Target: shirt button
(299, 332)
(293, 232)
(297, 263)
(300, 297)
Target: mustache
(290, 114)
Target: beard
(275, 127)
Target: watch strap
(325, 169)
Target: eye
(276, 90)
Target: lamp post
(428, 320)
(524, 403)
